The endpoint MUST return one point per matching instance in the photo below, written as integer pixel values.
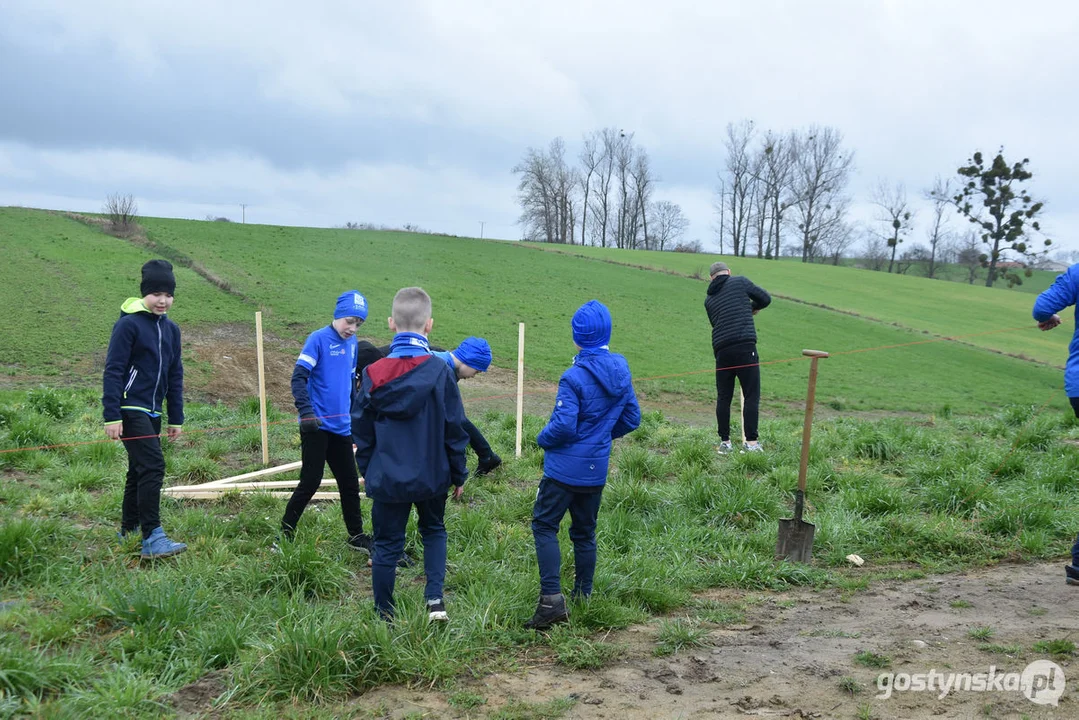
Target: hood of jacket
(134, 305)
(717, 283)
(609, 374)
(405, 395)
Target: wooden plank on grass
(256, 474)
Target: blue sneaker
(158, 546)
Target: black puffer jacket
(730, 303)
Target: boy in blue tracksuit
(410, 449)
(143, 369)
(322, 384)
(594, 405)
(1063, 293)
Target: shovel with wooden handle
(795, 541)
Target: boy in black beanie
(142, 370)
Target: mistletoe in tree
(995, 198)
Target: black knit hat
(157, 277)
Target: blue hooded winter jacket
(595, 404)
(406, 423)
(1062, 293)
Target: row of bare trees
(991, 195)
(784, 192)
(606, 199)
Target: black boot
(487, 464)
(550, 610)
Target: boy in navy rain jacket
(410, 449)
(322, 383)
(1064, 292)
(143, 369)
(595, 404)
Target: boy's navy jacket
(143, 365)
(1062, 293)
(406, 423)
(595, 404)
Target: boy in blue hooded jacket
(594, 405)
(410, 448)
(143, 369)
(1064, 292)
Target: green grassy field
(938, 307)
(86, 631)
(1038, 281)
(486, 288)
(61, 287)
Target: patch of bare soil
(788, 657)
(194, 699)
(229, 350)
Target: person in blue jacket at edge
(1064, 292)
(594, 405)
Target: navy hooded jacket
(143, 365)
(1062, 293)
(595, 404)
(406, 423)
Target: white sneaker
(436, 611)
(755, 447)
(725, 448)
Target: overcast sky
(321, 112)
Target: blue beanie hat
(474, 352)
(591, 325)
(351, 304)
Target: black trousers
(739, 362)
(145, 472)
(318, 449)
(479, 443)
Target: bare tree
(643, 184)
(821, 169)
(610, 140)
(544, 191)
(875, 254)
(738, 180)
(719, 204)
(668, 224)
(894, 215)
(591, 157)
(940, 195)
(122, 212)
(970, 255)
(778, 164)
(837, 242)
(914, 256)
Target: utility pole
(243, 213)
(482, 223)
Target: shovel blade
(795, 541)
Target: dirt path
(789, 655)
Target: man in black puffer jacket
(731, 304)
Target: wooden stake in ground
(262, 390)
(742, 410)
(520, 384)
